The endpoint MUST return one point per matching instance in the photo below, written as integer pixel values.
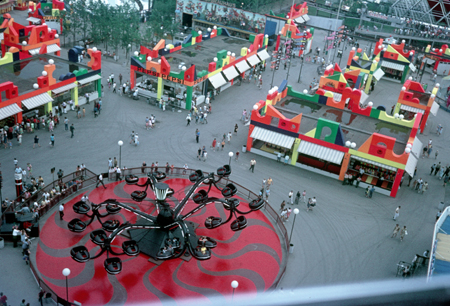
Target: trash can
(2, 243)
(291, 248)
(441, 206)
(244, 148)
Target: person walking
(291, 196)
(188, 119)
(395, 231)
(213, 146)
(252, 165)
(72, 129)
(114, 88)
(371, 191)
(236, 128)
(403, 233)
(197, 135)
(397, 213)
(66, 123)
(61, 211)
(433, 168)
(229, 137)
(52, 140)
(132, 137)
(437, 168)
(237, 155)
(100, 181)
(308, 205)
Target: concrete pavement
(345, 238)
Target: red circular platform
(252, 256)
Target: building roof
(203, 53)
(356, 128)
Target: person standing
(237, 155)
(197, 135)
(297, 197)
(72, 129)
(269, 181)
(291, 196)
(395, 231)
(120, 78)
(433, 168)
(36, 141)
(16, 235)
(403, 233)
(437, 168)
(131, 137)
(371, 191)
(52, 140)
(214, 143)
(236, 128)
(252, 165)
(188, 119)
(397, 213)
(118, 173)
(100, 181)
(114, 88)
(185, 169)
(229, 137)
(61, 211)
(283, 204)
(66, 123)
(136, 139)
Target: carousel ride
(168, 234)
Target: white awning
(64, 88)
(9, 110)
(321, 152)
(37, 101)
(230, 73)
(337, 96)
(217, 80)
(417, 147)
(378, 74)
(299, 20)
(263, 55)
(253, 60)
(411, 109)
(392, 65)
(411, 165)
(53, 48)
(89, 79)
(242, 66)
(429, 61)
(33, 19)
(412, 67)
(373, 163)
(364, 97)
(434, 108)
(272, 137)
(306, 17)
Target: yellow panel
(311, 133)
(8, 58)
(408, 123)
(214, 72)
(377, 159)
(244, 51)
(328, 94)
(193, 40)
(160, 88)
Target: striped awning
(392, 65)
(272, 137)
(373, 163)
(50, 49)
(64, 88)
(378, 74)
(230, 73)
(263, 55)
(337, 96)
(33, 19)
(242, 66)
(412, 109)
(253, 60)
(217, 80)
(9, 111)
(37, 101)
(321, 152)
(89, 79)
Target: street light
(66, 273)
(120, 143)
(230, 155)
(296, 211)
(234, 285)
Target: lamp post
(335, 25)
(120, 143)
(230, 154)
(66, 273)
(234, 285)
(296, 211)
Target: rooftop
(25, 73)
(356, 128)
(203, 53)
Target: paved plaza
(345, 239)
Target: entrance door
(187, 20)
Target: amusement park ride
(167, 235)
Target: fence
(88, 178)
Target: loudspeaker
(34, 230)
(10, 217)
